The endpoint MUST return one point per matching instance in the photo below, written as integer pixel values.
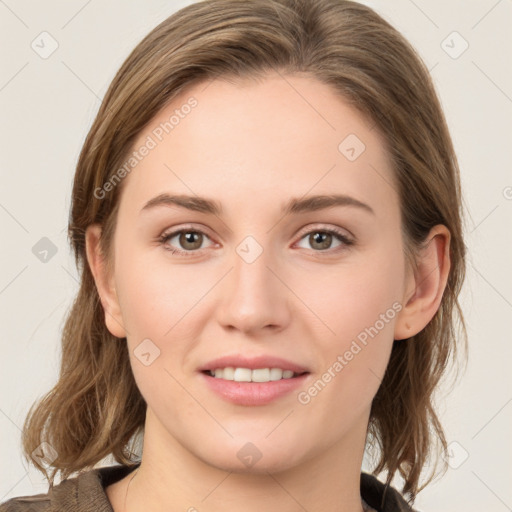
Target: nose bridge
(251, 272)
(253, 297)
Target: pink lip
(237, 361)
(253, 393)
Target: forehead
(265, 141)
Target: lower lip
(253, 393)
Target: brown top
(86, 493)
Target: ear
(104, 282)
(426, 287)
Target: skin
(252, 146)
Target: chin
(261, 456)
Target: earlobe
(426, 287)
(104, 282)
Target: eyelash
(347, 242)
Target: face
(318, 285)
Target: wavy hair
(95, 409)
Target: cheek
(164, 303)
(350, 297)
(158, 303)
(358, 306)
(156, 296)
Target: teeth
(248, 375)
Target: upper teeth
(248, 375)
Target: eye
(189, 241)
(322, 239)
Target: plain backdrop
(48, 105)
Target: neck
(171, 478)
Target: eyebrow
(294, 205)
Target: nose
(253, 296)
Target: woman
(267, 216)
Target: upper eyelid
(171, 233)
(324, 227)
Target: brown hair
(95, 408)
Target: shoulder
(375, 494)
(82, 493)
(35, 503)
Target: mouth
(253, 387)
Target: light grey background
(47, 108)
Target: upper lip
(263, 361)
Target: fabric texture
(86, 493)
